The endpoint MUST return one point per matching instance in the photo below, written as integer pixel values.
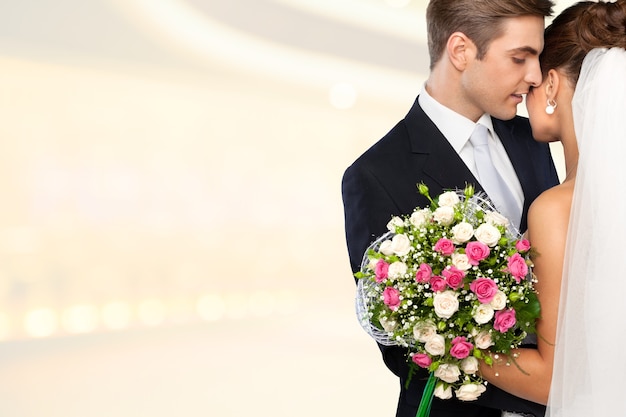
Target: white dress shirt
(457, 130)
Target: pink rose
(422, 360)
(454, 277)
(476, 252)
(517, 267)
(522, 245)
(382, 268)
(461, 348)
(505, 319)
(444, 246)
(391, 297)
(423, 274)
(438, 283)
(485, 289)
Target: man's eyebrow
(526, 49)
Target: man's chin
(503, 113)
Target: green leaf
(533, 304)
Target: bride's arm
(548, 219)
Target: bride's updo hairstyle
(579, 29)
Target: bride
(577, 227)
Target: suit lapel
(450, 174)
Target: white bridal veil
(590, 364)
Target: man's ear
(460, 50)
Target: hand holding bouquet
(450, 282)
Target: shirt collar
(456, 128)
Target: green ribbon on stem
(427, 397)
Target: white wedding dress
(590, 361)
(590, 356)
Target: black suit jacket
(382, 182)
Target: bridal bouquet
(450, 282)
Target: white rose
(469, 392)
(445, 304)
(442, 392)
(496, 218)
(483, 313)
(487, 234)
(448, 372)
(436, 345)
(499, 301)
(394, 222)
(400, 244)
(396, 270)
(483, 340)
(462, 232)
(388, 325)
(461, 261)
(448, 199)
(423, 331)
(469, 365)
(385, 248)
(372, 263)
(444, 215)
(419, 218)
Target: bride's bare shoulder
(553, 202)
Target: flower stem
(427, 397)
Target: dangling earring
(551, 106)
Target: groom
(484, 58)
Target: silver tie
(491, 181)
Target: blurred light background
(171, 225)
